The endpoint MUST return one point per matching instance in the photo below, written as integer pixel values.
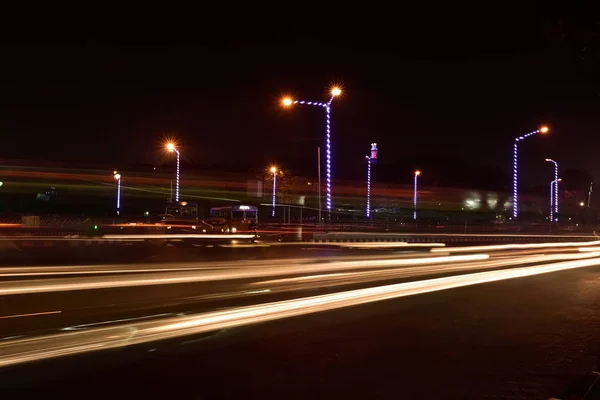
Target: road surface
(518, 338)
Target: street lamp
(171, 147)
(117, 177)
(543, 130)
(335, 91)
(274, 172)
(416, 191)
(370, 159)
(368, 186)
(554, 192)
(553, 185)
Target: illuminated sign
(373, 151)
(244, 207)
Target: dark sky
(446, 90)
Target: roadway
(516, 321)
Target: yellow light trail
(20, 350)
(103, 282)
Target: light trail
(499, 247)
(30, 314)
(327, 280)
(165, 278)
(179, 236)
(20, 350)
(188, 266)
(585, 249)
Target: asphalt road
(521, 338)
(525, 338)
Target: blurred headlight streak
(585, 249)
(159, 278)
(179, 236)
(15, 351)
(472, 249)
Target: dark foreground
(519, 339)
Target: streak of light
(383, 245)
(116, 321)
(166, 278)
(363, 235)
(181, 266)
(62, 239)
(589, 249)
(29, 315)
(179, 236)
(496, 247)
(22, 350)
(348, 278)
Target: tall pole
(542, 130)
(372, 158)
(274, 172)
(177, 178)
(554, 198)
(368, 187)
(415, 193)
(328, 158)
(117, 177)
(171, 147)
(319, 172)
(335, 91)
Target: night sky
(443, 95)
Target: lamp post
(335, 91)
(171, 147)
(371, 159)
(368, 186)
(117, 177)
(554, 192)
(553, 185)
(543, 130)
(416, 191)
(274, 172)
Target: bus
(234, 219)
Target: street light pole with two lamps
(335, 91)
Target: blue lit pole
(554, 194)
(372, 159)
(542, 130)
(368, 187)
(117, 177)
(171, 147)
(274, 172)
(415, 194)
(327, 107)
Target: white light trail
(20, 350)
(167, 278)
(178, 236)
(497, 247)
